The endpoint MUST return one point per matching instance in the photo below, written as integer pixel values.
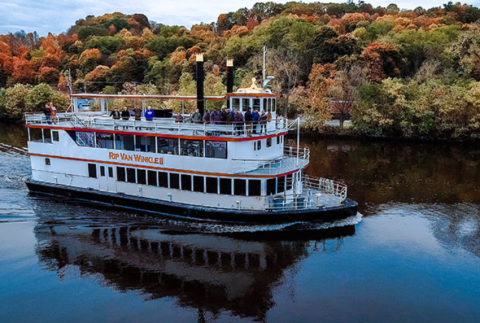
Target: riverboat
(226, 172)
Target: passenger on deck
(269, 116)
(230, 116)
(48, 112)
(224, 115)
(115, 114)
(138, 113)
(263, 122)
(179, 118)
(149, 114)
(197, 117)
(206, 117)
(125, 114)
(255, 118)
(216, 117)
(248, 122)
(53, 110)
(238, 122)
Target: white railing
(325, 185)
(157, 125)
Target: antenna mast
(264, 58)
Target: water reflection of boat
(232, 272)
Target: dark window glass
(152, 178)
(102, 171)
(269, 142)
(55, 136)
(186, 182)
(226, 186)
(47, 136)
(162, 179)
(104, 140)
(141, 176)
(212, 185)
(192, 148)
(36, 134)
(256, 104)
(281, 184)
(174, 181)
(216, 149)
(278, 140)
(85, 139)
(131, 175)
(92, 170)
(259, 145)
(198, 184)
(167, 146)
(271, 184)
(289, 182)
(47, 161)
(254, 187)
(110, 171)
(145, 143)
(121, 174)
(124, 142)
(240, 186)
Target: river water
(413, 255)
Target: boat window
(198, 182)
(104, 140)
(102, 171)
(254, 187)
(236, 103)
(186, 182)
(245, 104)
(85, 139)
(216, 149)
(124, 142)
(131, 175)
(192, 148)
(265, 104)
(281, 184)
(274, 105)
(162, 179)
(145, 143)
(212, 185)
(259, 145)
(141, 176)
(47, 136)
(226, 186)
(152, 178)
(55, 136)
(289, 182)
(35, 134)
(174, 181)
(269, 142)
(271, 186)
(47, 161)
(167, 146)
(121, 174)
(278, 140)
(254, 145)
(256, 104)
(92, 170)
(240, 187)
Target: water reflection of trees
(382, 172)
(211, 273)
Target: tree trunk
(341, 121)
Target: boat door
(107, 181)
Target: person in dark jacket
(197, 117)
(138, 113)
(125, 114)
(238, 122)
(255, 118)
(48, 112)
(179, 118)
(115, 114)
(248, 122)
(206, 117)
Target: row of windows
(202, 184)
(257, 145)
(43, 135)
(171, 146)
(255, 103)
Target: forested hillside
(410, 73)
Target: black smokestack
(229, 75)
(200, 79)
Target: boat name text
(137, 158)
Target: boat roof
(172, 97)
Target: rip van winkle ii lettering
(137, 158)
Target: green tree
(16, 103)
